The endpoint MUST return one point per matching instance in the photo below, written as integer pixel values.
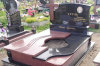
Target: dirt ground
(2, 55)
(87, 61)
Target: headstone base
(13, 30)
(6, 62)
(16, 28)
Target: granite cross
(52, 6)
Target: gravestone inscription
(15, 22)
(15, 19)
(73, 14)
(71, 17)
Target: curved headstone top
(10, 6)
(72, 14)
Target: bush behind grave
(3, 20)
(34, 19)
(30, 20)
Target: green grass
(24, 18)
(41, 28)
(27, 28)
(94, 30)
(3, 20)
(91, 10)
(38, 28)
(1, 5)
(2, 13)
(90, 1)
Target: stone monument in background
(13, 17)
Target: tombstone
(98, 2)
(13, 17)
(71, 17)
(94, 22)
(14, 29)
(64, 44)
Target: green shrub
(3, 20)
(98, 10)
(40, 20)
(90, 1)
(31, 19)
(1, 5)
(91, 10)
(34, 19)
(45, 18)
(28, 20)
(2, 13)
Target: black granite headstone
(98, 2)
(73, 14)
(71, 17)
(13, 17)
(15, 22)
(10, 6)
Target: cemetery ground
(87, 61)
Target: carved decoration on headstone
(10, 6)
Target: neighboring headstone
(10, 6)
(98, 2)
(13, 16)
(15, 22)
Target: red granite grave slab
(54, 61)
(26, 49)
(18, 37)
(33, 44)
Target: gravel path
(88, 60)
